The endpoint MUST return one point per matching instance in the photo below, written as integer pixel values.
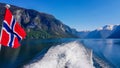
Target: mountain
(103, 32)
(38, 24)
(116, 32)
(94, 34)
(82, 34)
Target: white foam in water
(69, 55)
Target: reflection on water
(30, 48)
(107, 49)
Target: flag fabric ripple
(11, 33)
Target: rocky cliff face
(37, 24)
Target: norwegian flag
(11, 33)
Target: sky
(78, 14)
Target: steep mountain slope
(38, 24)
(94, 34)
(116, 32)
(82, 34)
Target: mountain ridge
(38, 24)
(107, 31)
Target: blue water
(106, 49)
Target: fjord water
(106, 49)
(67, 55)
(35, 52)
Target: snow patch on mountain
(108, 27)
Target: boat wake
(69, 55)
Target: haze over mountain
(107, 31)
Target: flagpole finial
(7, 6)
